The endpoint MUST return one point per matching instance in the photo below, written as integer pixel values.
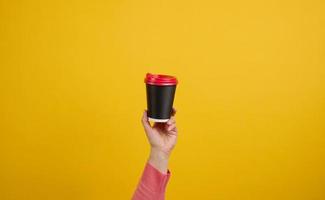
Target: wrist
(159, 160)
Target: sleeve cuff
(154, 179)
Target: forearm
(159, 160)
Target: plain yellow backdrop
(250, 99)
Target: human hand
(162, 138)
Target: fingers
(173, 112)
(171, 124)
(145, 122)
(174, 131)
(171, 120)
(171, 127)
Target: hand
(162, 138)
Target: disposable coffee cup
(160, 96)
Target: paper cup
(160, 96)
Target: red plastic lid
(159, 79)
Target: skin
(162, 138)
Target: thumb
(146, 125)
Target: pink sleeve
(152, 185)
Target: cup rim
(160, 79)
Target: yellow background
(251, 98)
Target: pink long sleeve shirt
(152, 184)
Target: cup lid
(160, 79)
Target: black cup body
(160, 100)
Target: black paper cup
(160, 96)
